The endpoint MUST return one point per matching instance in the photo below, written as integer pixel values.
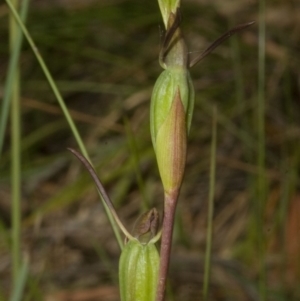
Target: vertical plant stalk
(19, 287)
(261, 181)
(16, 156)
(49, 78)
(13, 61)
(209, 232)
(62, 106)
(171, 112)
(166, 242)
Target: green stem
(16, 157)
(18, 292)
(50, 79)
(209, 233)
(11, 76)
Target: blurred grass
(210, 211)
(103, 57)
(16, 172)
(15, 39)
(262, 184)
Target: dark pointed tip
(220, 40)
(249, 23)
(72, 150)
(245, 25)
(241, 27)
(76, 153)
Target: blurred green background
(103, 56)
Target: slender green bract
(138, 271)
(139, 262)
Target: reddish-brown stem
(166, 242)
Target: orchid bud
(139, 261)
(171, 140)
(172, 105)
(166, 88)
(138, 271)
(172, 100)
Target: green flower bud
(138, 271)
(169, 82)
(139, 262)
(171, 141)
(172, 105)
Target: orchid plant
(142, 270)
